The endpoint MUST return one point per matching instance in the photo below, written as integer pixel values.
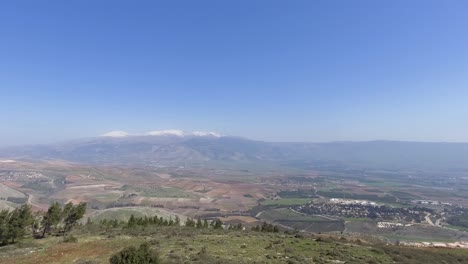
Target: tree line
(23, 222)
(160, 221)
(265, 227)
(145, 221)
(59, 220)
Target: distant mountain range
(172, 132)
(178, 148)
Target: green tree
(218, 224)
(13, 226)
(131, 222)
(72, 214)
(26, 215)
(66, 209)
(189, 222)
(52, 218)
(20, 219)
(275, 229)
(199, 223)
(4, 226)
(115, 223)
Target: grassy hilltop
(95, 244)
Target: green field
(415, 233)
(6, 192)
(106, 197)
(355, 219)
(461, 228)
(287, 201)
(348, 195)
(167, 192)
(285, 214)
(296, 221)
(160, 192)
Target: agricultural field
(6, 192)
(158, 191)
(414, 233)
(117, 192)
(10, 198)
(286, 201)
(292, 220)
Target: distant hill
(210, 150)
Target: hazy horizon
(67, 140)
(308, 71)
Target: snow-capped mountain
(170, 132)
(116, 134)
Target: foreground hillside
(191, 245)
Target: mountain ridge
(209, 150)
(168, 132)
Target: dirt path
(315, 192)
(428, 219)
(294, 211)
(30, 201)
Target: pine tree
(199, 223)
(51, 218)
(4, 226)
(14, 226)
(72, 214)
(275, 229)
(218, 224)
(132, 221)
(190, 223)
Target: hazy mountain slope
(206, 150)
(395, 154)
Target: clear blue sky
(272, 70)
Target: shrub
(133, 255)
(70, 239)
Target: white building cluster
(461, 244)
(391, 225)
(349, 201)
